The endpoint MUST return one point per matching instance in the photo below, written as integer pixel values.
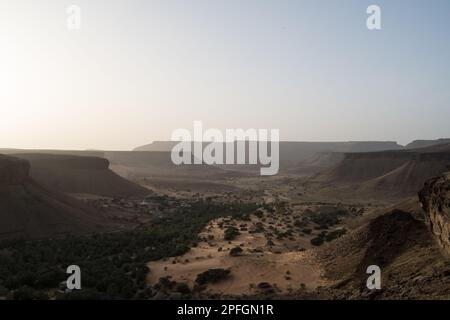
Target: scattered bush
(307, 230)
(183, 288)
(335, 234)
(259, 214)
(324, 220)
(300, 223)
(317, 241)
(231, 233)
(212, 276)
(236, 251)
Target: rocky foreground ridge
(435, 198)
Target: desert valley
(141, 227)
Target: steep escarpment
(80, 174)
(426, 143)
(388, 173)
(28, 210)
(435, 198)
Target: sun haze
(137, 70)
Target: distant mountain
(157, 146)
(293, 152)
(79, 174)
(426, 143)
(29, 210)
(86, 153)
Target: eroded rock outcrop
(435, 198)
(79, 174)
(31, 211)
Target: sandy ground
(284, 269)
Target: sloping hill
(393, 173)
(76, 174)
(411, 263)
(155, 170)
(316, 163)
(28, 210)
(409, 177)
(158, 163)
(426, 143)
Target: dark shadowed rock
(29, 210)
(79, 174)
(435, 198)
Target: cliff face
(426, 143)
(13, 171)
(28, 210)
(435, 198)
(78, 174)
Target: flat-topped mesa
(13, 171)
(79, 175)
(435, 198)
(64, 161)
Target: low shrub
(236, 251)
(212, 276)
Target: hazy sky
(139, 69)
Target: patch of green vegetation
(113, 265)
(236, 251)
(327, 236)
(259, 214)
(307, 230)
(269, 208)
(325, 219)
(212, 276)
(231, 233)
(317, 241)
(183, 288)
(335, 234)
(301, 223)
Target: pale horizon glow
(137, 70)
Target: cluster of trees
(113, 265)
(231, 233)
(327, 236)
(212, 276)
(236, 251)
(325, 220)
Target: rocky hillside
(411, 263)
(28, 210)
(80, 174)
(396, 173)
(435, 198)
